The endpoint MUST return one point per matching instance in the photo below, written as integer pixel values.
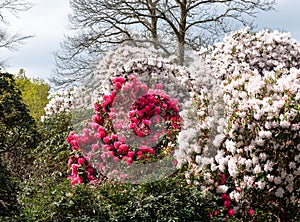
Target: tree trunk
(182, 32)
(180, 52)
(154, 20)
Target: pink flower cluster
(81, 170)
(151, 105)
(132, 123)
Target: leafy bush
(9, 207)
(52, 151)
(47, 195)
(165, 200)
(53, 201)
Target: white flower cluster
(190, 138)
(203, 116)
(260, 52)
(117, 58)
(256, 122)
(263, 131)
(174, 79)
(69, 99)
(120, 56)
(200, 73)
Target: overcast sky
(47, 21)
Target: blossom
(227, 203)
(225, 197)
(222, 189)
(251, 212)
(218, 139)
(257, 169)
(80, 160)
(285, 124)
(230, 212)
(279, 192)
(222, 179)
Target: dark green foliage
(18, 136)
(165, 200)
(17, 128)
(9, 206)
(55, 201)
(47, 195)
(52, 152)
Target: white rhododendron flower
(255, 125)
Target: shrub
(58, 201)
(52, 150)
(255, 173)
(47, 195)
(9, 206)
(169, 199)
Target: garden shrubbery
(255, 171)
(235, 140)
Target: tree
(7, 40)
(35, 94)
(17, 128)
(172, 26)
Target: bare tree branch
(7, 40)
(171, 25)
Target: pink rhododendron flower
(227, 203)
(74, 168)
(230, 212)
(106, 139)
(95, 147)
(251, 212)
(222, 179)
(75, 180)
(80, 160)
(225, 197)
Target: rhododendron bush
(257, 132)
(135, 126)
